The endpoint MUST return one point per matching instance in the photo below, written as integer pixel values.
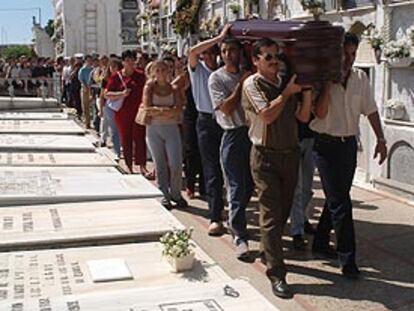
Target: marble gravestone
(33, 116)
(40, 127)
(41, 226)
(27, 103)
(44, 143)
(26, 185)
(64, 272)
(55, 159)
(234, 295)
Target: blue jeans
(209, 138)
(235, 155)
(109, 115)
(303, 191)
(164, 141)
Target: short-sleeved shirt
(135, 83)
(282, 133)
(85, 75)
(347, 105)
(221, 85)
(199, 85)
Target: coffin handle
(245, 31)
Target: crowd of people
(26, 74)
(232, 131)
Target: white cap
(79, 55)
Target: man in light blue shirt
(85, 79)
(202, 62)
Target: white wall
(43, 45)
(108, 26)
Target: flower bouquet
(398, 52)
(394, 109)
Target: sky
(16, 24)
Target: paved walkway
(385, 254)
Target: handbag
(142, 117)
(117, 104)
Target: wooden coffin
(313, 49)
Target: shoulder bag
(117, 104)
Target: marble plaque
(109, 270)
(33, 116)
(40, 127)
(55, 159)
(64, 272)
(58, 185)
(36, 142)
(234, 295)
(40, 226)
(22, 103)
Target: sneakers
(242, 249)
(298, 243)
(216, 229)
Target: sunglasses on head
(268, 57)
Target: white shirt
(221, 85)
(346, 106)
(66, 73)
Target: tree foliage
(50, 27)
(17, 51)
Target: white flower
(397, 49)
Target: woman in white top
(164, 106)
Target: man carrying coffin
(272, 107)
(336, 124)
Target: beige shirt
(346, 106)
(281, 134)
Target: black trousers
(336, 162)
(209, 139)
(192, 158)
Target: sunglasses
(268, 57)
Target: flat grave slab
(33, 116)
(26, 185)
(235, 295)
(55, 159)
(63, 272)
(21, 103)
(38, 142)
(41, 226)
(40, 127)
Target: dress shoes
(351, 272)
(281, 289)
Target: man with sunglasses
(202, 61)
(225, 91)
(273, 106)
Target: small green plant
(375, 39)
(234, 8)
(177, 243)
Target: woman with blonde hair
(164, 106)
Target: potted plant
(394, 109)
(315, 7)
(398, 52)
(376, 41)
(234, 8)
(178, 249)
